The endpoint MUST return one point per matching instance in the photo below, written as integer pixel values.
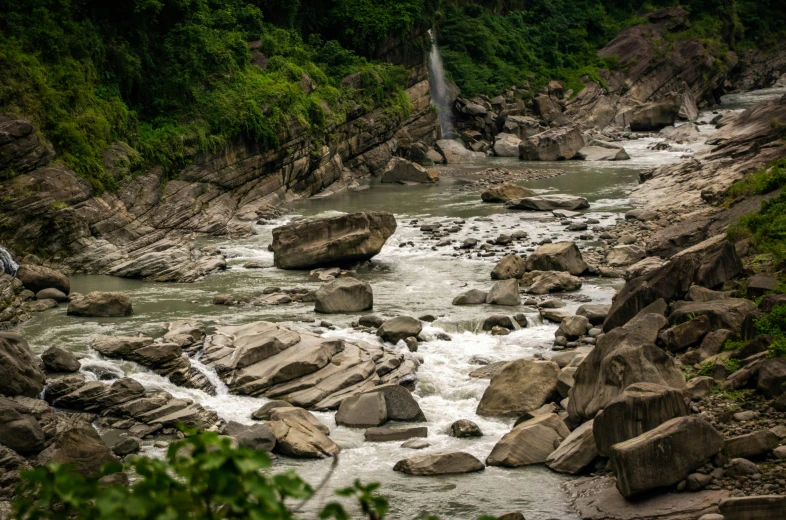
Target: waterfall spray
(7, 264)
(440, 96)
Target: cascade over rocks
(331, 241)
(304, 370)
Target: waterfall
(7, 264)
(440, 95)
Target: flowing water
(411, 280)
(440, 96)
(7, 264)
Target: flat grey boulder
(601, 153)
(257, 437)
(549, 203)
(101, 305)
(300, 439)
(471, 297)
(400, 404)
(394, 434)
(399, 328)
(530, 442)
(504, 292)
(506, 145)
(559, 256)
(444, 463)
(555, 144)
(331, 241)
(670, 453)
(624, 255)
(455, 152)
(344, 295)
(519, 387)
(402, 170)
(362, 411)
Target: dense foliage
(172, 77)
(489, 46)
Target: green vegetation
(490, 45)
(174, 77)
(202, 477)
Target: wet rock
(362, 411)
(58, 360)
(257, 437)
(575, 452)
(521, 386)
(347, 238)
(370, 321)
(400, 404)
(656, 115)
(751, 445)
(19, 429)
(402, 170)
(443, 463)
(280, 412)
(540, 282)
(686, 133)
(670, 453)
(224, 299)
(595, 313)
(81, 447)
(573, 327)
(524, 445)
(639, 409)
(624, 255)
(298, 438)
(127, 446)
(102, 305)
(560, 256)
(51, 294)
(471, 297)
(344, 295)
(772, 507)
(505, 192)
(561, 143)
(20, 373)
(11, 466)
(464, 428)
(399, 328)
(509, 266)
(394, 434)
(504, 292)
(37, 278)
(548, 203)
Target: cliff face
(146, 228)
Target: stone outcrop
(404, 171)
(344, 295)
(556, 144)
(520, 387)
(331, 241)
(560, 256)
(165, 359)
(308, 371)
(670, 453)
(101, 305)
(20, 373)
(442, 463)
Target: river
(412, 280)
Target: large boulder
(399, 328)
(573, 327)
(729, 313)
(82, 448)
(679, 337)
(530, 442)
(331, 241)
(772, 378)
(504, 292)
(669, 453)
(471, 297)
(455, 152)
(59, 360)
(640, 408)
(362, 411)
(298, 438)
(506, 145)
(624, 255)
(548, 203)
(19, 429)
(576, 451)
(520, 386)
(442, 463)
(257, 437)
(99, 304)
(509, 266)
(20, 373)
(622, 357)
(751, 445)
(656, 115)
(399, 403)
(595, 313)
(37, 278)
(555, 144)
(344, 295)
(544, 282)
(505, 192)
(402, 170)
(602, 153)
(559, 256)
